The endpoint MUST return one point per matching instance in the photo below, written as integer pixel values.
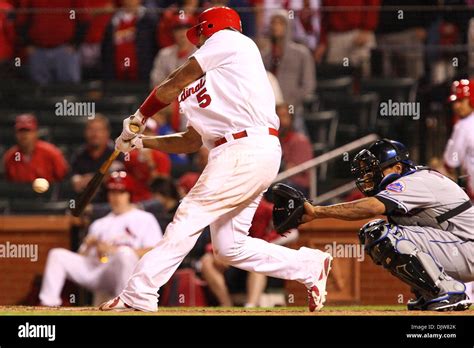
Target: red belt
(243, 134)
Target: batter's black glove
(288, 208)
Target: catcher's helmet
(368, 165)
(462, 89)
(119, 181)
(212, 20)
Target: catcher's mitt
(288, 207)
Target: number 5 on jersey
(203, 98)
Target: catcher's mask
(368, 165)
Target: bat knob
(134, 128)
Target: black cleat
(448, 302)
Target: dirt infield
(229, 311)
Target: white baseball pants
(225, 197)
(85, 271)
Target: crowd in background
(69, 41)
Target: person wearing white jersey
(428, 241)
(459, 151)
(109, 252)
(225, 94)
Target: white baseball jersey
(234, 93)
(135, 228)
(460, 148)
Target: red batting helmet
(120, 181)
(462, 89)
(212, 20)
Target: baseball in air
(40, 185)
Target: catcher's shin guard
(387, 247)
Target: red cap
(213, 20)
(26, 121)
(182, 21)
(120, 181)
(462, 89)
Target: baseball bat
(91, 188)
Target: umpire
(428, 241)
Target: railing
(312, 164)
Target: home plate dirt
(229, 311)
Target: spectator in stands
(110, 250)
(129, 47)
(243, 8)
(459, 151)
(186, 10)
(348, 34)
(401, 38)
(52, 31)
(189, 179)
(165, 200)
(7, 38)
(451, 28)
(87, 159)
(171, 57)
(296, 148)
(306, 18)
(212, 270)
(145, 165)
(32, 158)
(100, 14)
(291, 63)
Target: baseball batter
(110, 251)
(428, 241)
(225, 94)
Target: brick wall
(352, 281)
(17, 274)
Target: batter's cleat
(449, 302)
(116, 304)
(317, 293)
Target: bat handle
(106, 165)
(134, 128)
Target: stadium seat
(4, 206)
(64, 134)
(124, 88)
(357, 115)
(76, 89)
(126, 104)
(338, 86)
(396, 89)
(35, 207)
(331, 71)
(11, 190)
(7, 137)
(322, 128)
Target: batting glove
(136, 122)
(128, 145)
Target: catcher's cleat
(416, 304)
(317, 293)
(449, 302)
(116, 304)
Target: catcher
(428, 241)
